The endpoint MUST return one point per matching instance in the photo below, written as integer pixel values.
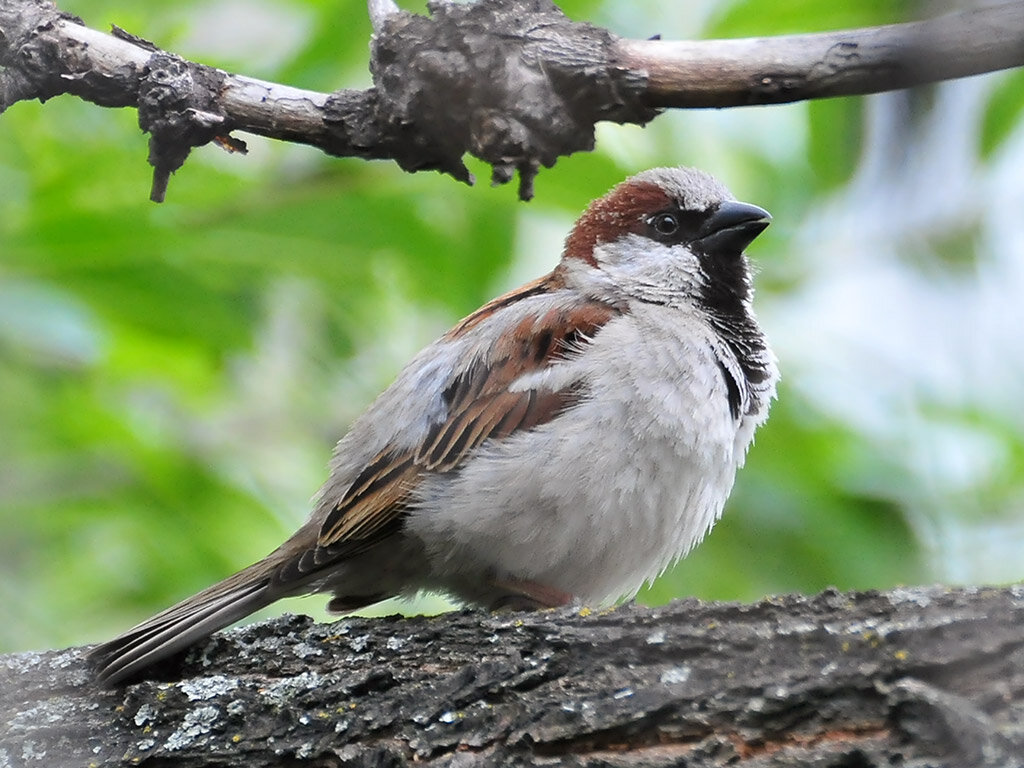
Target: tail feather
(181, 625)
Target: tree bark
(911, 677)
(850, 62)
(512, 82)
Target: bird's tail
(181, 625)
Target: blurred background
(173, 377)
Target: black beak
(732, 227)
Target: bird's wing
(481, 403)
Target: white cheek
(640, 267)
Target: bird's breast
(609, 493)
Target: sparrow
(567, 441)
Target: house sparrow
(567, 441)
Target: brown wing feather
(372, 501)
(479, 407)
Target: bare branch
(771, 70)
(512, 82)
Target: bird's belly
(594, 519)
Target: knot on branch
(178, 109)
(513, 82)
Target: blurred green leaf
(756, 18)
(1003, 112)
(834, 143)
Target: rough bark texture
(513, 82)
(913, 677)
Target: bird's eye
(665, 224)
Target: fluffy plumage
(570, 439)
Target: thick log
(912, 677)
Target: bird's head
(672, 236)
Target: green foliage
(835, 127)
(1004, 111)
(756, 18)
(174, 376)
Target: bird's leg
(528, 596)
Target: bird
(563, 444)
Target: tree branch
(915, 677)
(771, 70)
(512, 82)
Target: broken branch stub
(179, 110)
(512, 82)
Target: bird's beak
(732, 227)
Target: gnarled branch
(513, 82)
